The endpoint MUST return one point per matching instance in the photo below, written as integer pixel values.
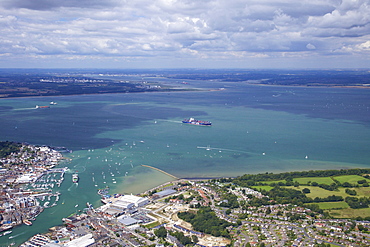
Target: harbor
(31, 186)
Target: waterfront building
(136, 200)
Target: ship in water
(6, 233)
(42, 106)
(75, 178)
(27, 222)
(196, 122)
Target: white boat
(75, 178)
(27, 222)
(6, 233)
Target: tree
(195, 239)
(161, 232)
(351, 192)
(306, 190)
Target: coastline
(181, 90)
(308, 86)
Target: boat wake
(14, 236)
(53, 212)
(73, 185)
(22, 109)
(224, 149)
(172, 121)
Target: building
(27, 178)
(83, 241)
(163, 193)
(128, 221)
(118, 207)
(136, 200)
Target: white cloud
(310, 46)
(178, 29)
(365, 46)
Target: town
(27, 177)
(215, 212)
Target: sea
(255, 129)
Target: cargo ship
(75, 178)
(196, 122)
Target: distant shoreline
(308, 86)
(188, 90)
(65, 95)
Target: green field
(332, 205)
(362, 191)
(319, 180)
(349, 212)
(319, 192)
(337, 209)
(352, 179)
(263, 187)
(152, 224)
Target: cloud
(310, 46)
(184, 29)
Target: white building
(136, 200)
(27, 178)
(83, 241)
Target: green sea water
(255, 129)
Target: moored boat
(6, 233)
(27, 222)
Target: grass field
(352, 179)
(319, 192)
(319, 180)
(362, 191)
(332, 205)
(337, 209)
(153, 224)
(349, 212)
(263, 187)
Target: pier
(154, 168)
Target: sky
(185, 34)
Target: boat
(6, 233)
(42, 106)
(75, 178)
(27, 222)
(53, 103)
(196, 122)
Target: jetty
(157, 169)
